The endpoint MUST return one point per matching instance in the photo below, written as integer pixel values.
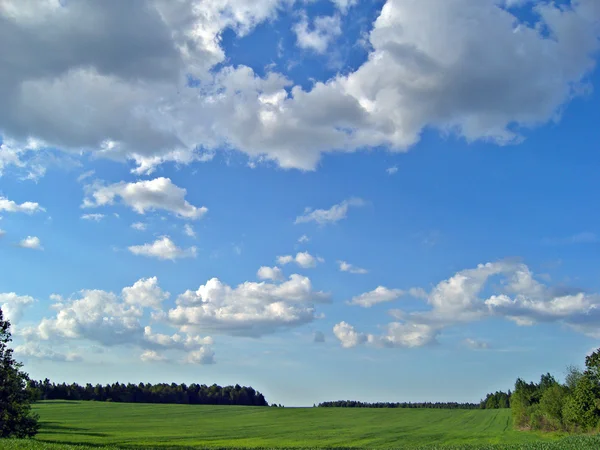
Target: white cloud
(304, 238)
(317, 38)
(303, 259)
(250, 309)
(139, 226)
(31, 242)
(34, 350)
(152, 356)
(346, 267)
(585, 237)
(202, 356)
(2, 232)
(348, 336)
(269, 273)
(163, 248)
(476, 344)
(143, 196)
(344, 5)
(145, 293)
(332, 215)
(189, 230)
(7, 205)
(13, 305)
(473, 69)
(85, 175)
(108, 319)
(392, 170)
(93, 217)
(378, 295)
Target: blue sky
(322, 199)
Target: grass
(111, 426)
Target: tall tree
(16, 419)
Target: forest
(194, 394)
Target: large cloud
(470, 295)
(13, 305)
(250, 309)
(120, 69)
(108, 319)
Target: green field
(118, 425)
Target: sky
(323, 199)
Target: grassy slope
(140, 425)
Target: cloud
(139, 226)
(331, 215)
(189, 230)
(475, 344)
(397, 335)
(378, 295)
(392, 170)
(163, 248)
(348, 336)
(318, 37)
(143, 196)
(13, 305)
(304, 238)
(108, 319)
(31, 242)
(269, 273)
(202, 356)
(346, 267)
(93, 217)
(250, 309)
(303, 259)
(475, 70)
(2, 232)
(34, 350)
(7, 205)
(85, 175)
(344, 5)
(146, 293)
(152, 356)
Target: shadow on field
(56, 428)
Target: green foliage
(16, 419)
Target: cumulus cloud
(303, 259)
(348, 336)
(163, 248)
(474, 69)
(250, 309)
(402, 335)
(144, 196)
(378, 295)
(13, 305)
(7, 205)
(320, 35)
(270, 273)
(332, 215)
(347, 267)
(152, 356)
(108, 319)
(93, 217)
(31, 242)
(34, 350)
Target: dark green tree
(16, 419)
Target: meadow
(80, 425)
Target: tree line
(570, 406)
(194, 394)
(436, 405)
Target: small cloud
(2, 232)
(189, 230)
(318, 337)
(392, 170)
(152, 356)
(270, 273)
(163, 248)
(85, 175)
(140, 226)
(303, 259)
(585, 237)
(93, 217)
(304, 238)
(378, 295)
(332, 215)
(474, 344)
(347, 267)
(32, 242)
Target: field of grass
(118, 425)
